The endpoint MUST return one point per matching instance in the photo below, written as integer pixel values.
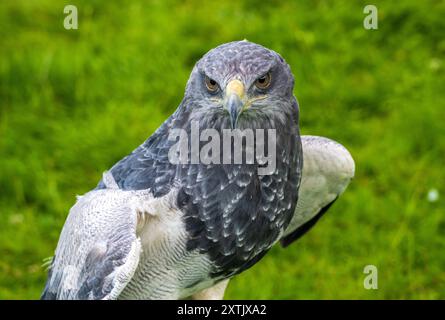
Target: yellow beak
(234, 97)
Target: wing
(98, 250)
(327, 170)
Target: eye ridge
(264, 81)
(211, 85)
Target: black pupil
(212, 82)
(262, 80)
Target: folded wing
(327, 170)
(98, 250)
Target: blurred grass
(72, 103)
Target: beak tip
(234, 111)
(234, 107)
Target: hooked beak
(234, 100)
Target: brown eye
(264, 81)
(211, 85)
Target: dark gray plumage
(328, 168)
(231, 215)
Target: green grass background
(72, 103)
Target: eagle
(155, 228)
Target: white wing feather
(99, 248)
(327, 170)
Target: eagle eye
(263, 82)
(211, 85)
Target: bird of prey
(158, 229)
